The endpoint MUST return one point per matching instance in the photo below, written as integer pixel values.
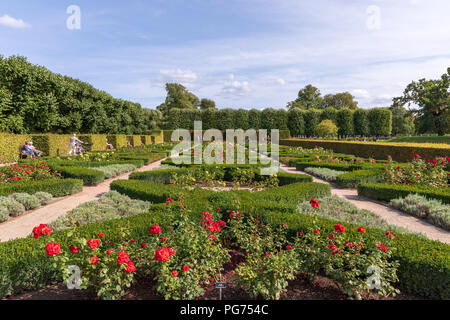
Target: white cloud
(235, 88)
(11, 22)
(360, 93)
(280, 81)
(178, 75)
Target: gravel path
(22, 226)
(390, 215)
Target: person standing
(73, 144)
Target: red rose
(73, 249)
(163, 239)
(288, 247)
(362, 230)
(339, 228)
(175, 273)
(130, 267)
(53, 248)
(314, 203)
(163, 254)
(222, 223)
(155, 229)
(109, 251)
(123, 257)
(93, 243)
(382, 247)
(235, 215)
(100, 234)
(144, 245)
(185, 268)
(41, 230)
(317, 232)
(94, 260)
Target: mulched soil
(301, 288)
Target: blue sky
(240, 53)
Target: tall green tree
(309, 98)
(380, 121)
(361, 122)
(345, 122)
(296, 122)
(207, 104)
(340, 101)
(402, 121)
(178, 97)
(432, 99)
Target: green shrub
(354, 178)
(301, 166)
(11, 207)
(387, 192)
(421, 207)
(327, 129)
(325, 173)
(29, 201)
(111, 205)
(44, 197)
(285, 178)
(56, 187)
(114, 170)
(4, 214)
(89, 176)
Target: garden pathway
(390, 215)
(22, 226)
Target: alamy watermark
(73, 22)
(236, 139)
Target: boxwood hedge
(89, 176)
(354, 178)
(387, 192)
(56, 187)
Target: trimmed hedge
(56, 187)
(90, 177)
(288, 178)
(117, 140)
(387, 192)
(354, 178)
(97, 141)
(398, 151)
(334, 166)
(9, 146)
(52, 145)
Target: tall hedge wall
(398, 151)
(9, 146)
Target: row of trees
(33, 99)
(362, 122)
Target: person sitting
(37, 153)
(109, 145)
(26, 149)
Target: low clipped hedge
(56, 187)
(376, 150)
(90, 177)
(159, 176)
(288, 178)
(300, 165)
(354, 178)
(387, 192)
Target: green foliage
(345, 122)
(312, 120)
(10, 146)
(285, 178)
(380, 121)
(296, 122)
(432, 210)
(329, 113)
(354, 178)
(327, 129)
(309, 98)
(433, 98)
(361, 122)
(89, 176)
(402, 121)
(341, 100)
(207, 104)
(387, 192)
(60, 104)
(399, 152)
(324, 173)
(56, 187)
(29, 201)
(254, 119)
